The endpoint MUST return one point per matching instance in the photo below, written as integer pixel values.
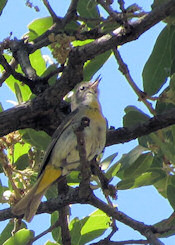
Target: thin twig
(121, 4)
(49, 8)
(116, 16)
(125, 71)
(52, 73)
(71, 12)
(5, 74)
(57, 223)
(64, 213)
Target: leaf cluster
(30, 76)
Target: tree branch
(122, 135)
(105, 242)
(73, 197)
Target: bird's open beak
(95, 84)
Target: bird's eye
(82, 88)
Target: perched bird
(62, 155)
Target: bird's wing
(61, 128)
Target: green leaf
(52, 243)
(128, 159)
(89, 9)
(157, 68)
(39, 26)
(71, 27)
(161, 186)
(56, 233)
(11, 81)
(49, 70)
(74, 178)
(125, 162)
(19, 150)
(37, 62)
(81, 43)
(22, 237)
(1, 107)
(22, 162)
(109, 26)
(2, 5)
(36, 138)
(85, 230)
(167, 148)
(170, 195)
(107, 161)
(18, 93)
(52, 192)
(6, 233)
(134, 116)
(92, 66)
(140, 166)
(147, 178)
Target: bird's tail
(28, 205)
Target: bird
(62, 154)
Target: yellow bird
(62, 155)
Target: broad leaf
(2, 5)
(92, 66)
(6, 233)
(170, 195)
(36, 138)
(56, 233)
(22, 237)
(89, 228)
(89, 9)
(39, 26)
(147, 178)
(157, 68)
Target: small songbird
(62, 155)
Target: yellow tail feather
(28, 205)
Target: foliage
(151, 162)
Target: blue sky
(143, 204)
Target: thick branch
(72, 197)
(122, 135)
(48, 103)
(25, 115)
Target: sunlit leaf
(39, 26)
(6, 233)
(22, 237)
(52, 243)
(37, 62)
(11, 81)
(89, 228)
(107, 161)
